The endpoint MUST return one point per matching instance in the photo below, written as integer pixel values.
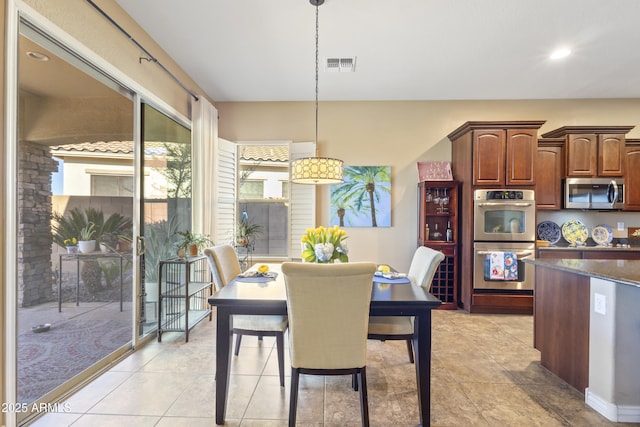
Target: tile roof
(273, 153)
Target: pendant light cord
(317, 62)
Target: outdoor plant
(83, 224)
(70, 225)
(160, 240)
(247, 232)
(87, 232)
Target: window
(111, 185)
(261, 200)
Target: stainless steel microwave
(594, 193)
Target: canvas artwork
(363, 199)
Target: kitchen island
(587, 329)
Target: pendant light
(317, 170)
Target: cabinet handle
(517, 254)
(504, 204)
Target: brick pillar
(35, 276)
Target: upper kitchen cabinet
(496, 154)
(549, 173)
(632, 176)
(593, 151)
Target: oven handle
(517, 254)
(525, 205)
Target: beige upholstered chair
(328, 308)
(225, 266)
(423, 267)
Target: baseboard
(611, 411)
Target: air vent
(341, 65)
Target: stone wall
(35, 275)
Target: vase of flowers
(71, 245)
(325, 245)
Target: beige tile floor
(485, 372)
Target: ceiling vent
(341, 65)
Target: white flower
(343, 248)
(323, 251)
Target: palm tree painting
(363, 199)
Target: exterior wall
(399, 134)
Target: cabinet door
(549, 171)
(521, 156)
(488, 157)
(582, 151)
(611, 155)
(632, 179)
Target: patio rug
(48, 359)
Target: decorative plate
(602, 234)
(575, 232)
(549, 231)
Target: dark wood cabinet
(611, 151)
(434, 218)
(490, 154)
(632, 175)
(498, 154)
(549, 173)
(520, 161)
(593, 151)
(504, 157)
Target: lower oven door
(486, 277)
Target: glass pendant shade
(317, 170)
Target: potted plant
(71, 244)
(192, 243)
(108, 242)
(247, 232)
(86, 242)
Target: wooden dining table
(260, 296)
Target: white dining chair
(225, 266)
(423, 267)
(328, 308)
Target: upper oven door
(504, 219)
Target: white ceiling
(264, 50)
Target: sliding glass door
(75, 182)
(166, 209)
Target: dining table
(266, 295)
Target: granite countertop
(622, 271)
(589, 248)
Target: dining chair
(423, 267)
(225, 266)
(328, 308)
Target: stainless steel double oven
(504, 221)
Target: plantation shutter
(225, 190)
(302, 201)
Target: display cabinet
(184, 286)
(438, 229)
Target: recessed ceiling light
(38, 56)
(560, 53)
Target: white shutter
(225, 192)
(302, 203)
